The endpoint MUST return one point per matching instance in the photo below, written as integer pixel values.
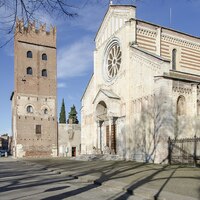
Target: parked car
(3, 153)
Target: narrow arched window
(29, 54)
(198, 107)
(45, 111)
(44, 72)
(181, 106)
(29, 71)
(174, 59)
(44, 56)
(29, 109)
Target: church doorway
(111, 137)
(73, 151)
(106, 130)
(101, 116)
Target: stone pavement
(26, 181)
(148, 181)
(61, 178)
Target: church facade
(144, 89)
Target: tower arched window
(29, 109)
(44, 72)
(174, 52)
(29, 54)
(44, 56)
(198, 107)
(45, 111)
(29, 71)
(181, 106)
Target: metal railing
(184, 151)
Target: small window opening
(29, 109)
(181, 106)
(44, 72)
(45, 111)
(29, 54)
(174, 59)
(38, 129)
(29, 71)
(44, 56)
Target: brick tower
(34, 118)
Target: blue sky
(75, 45)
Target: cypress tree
(62, 119)
(73, 116)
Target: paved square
(52, 179)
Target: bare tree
(29, 10)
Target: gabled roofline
(151, 54)
(87, 86)
(106, 14)
(102, 90)
(164, 27)
(147, 22)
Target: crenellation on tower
(38, 35)
(42, 28)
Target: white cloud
(61, 85)
(75, 60)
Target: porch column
(99, 136)
(110, 134)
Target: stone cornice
(180, 41)
(146, 31)
(154, 64)
(182, 90)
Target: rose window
(113, 61)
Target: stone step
(92, 157)
(154, 194)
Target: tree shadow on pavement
(56, 188)
(108, 171)
(71, 193)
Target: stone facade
(69, 140)
(6, 142)
(34, 106)
(145, 88)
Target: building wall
(34, 90)
(134, 81)
(161, 41)
(6, 143)
(141, 101)
(69, 135)
(115, 25)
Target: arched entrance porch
(106, 130)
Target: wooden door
(113, 137)
(107, 136)
(73, 151)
